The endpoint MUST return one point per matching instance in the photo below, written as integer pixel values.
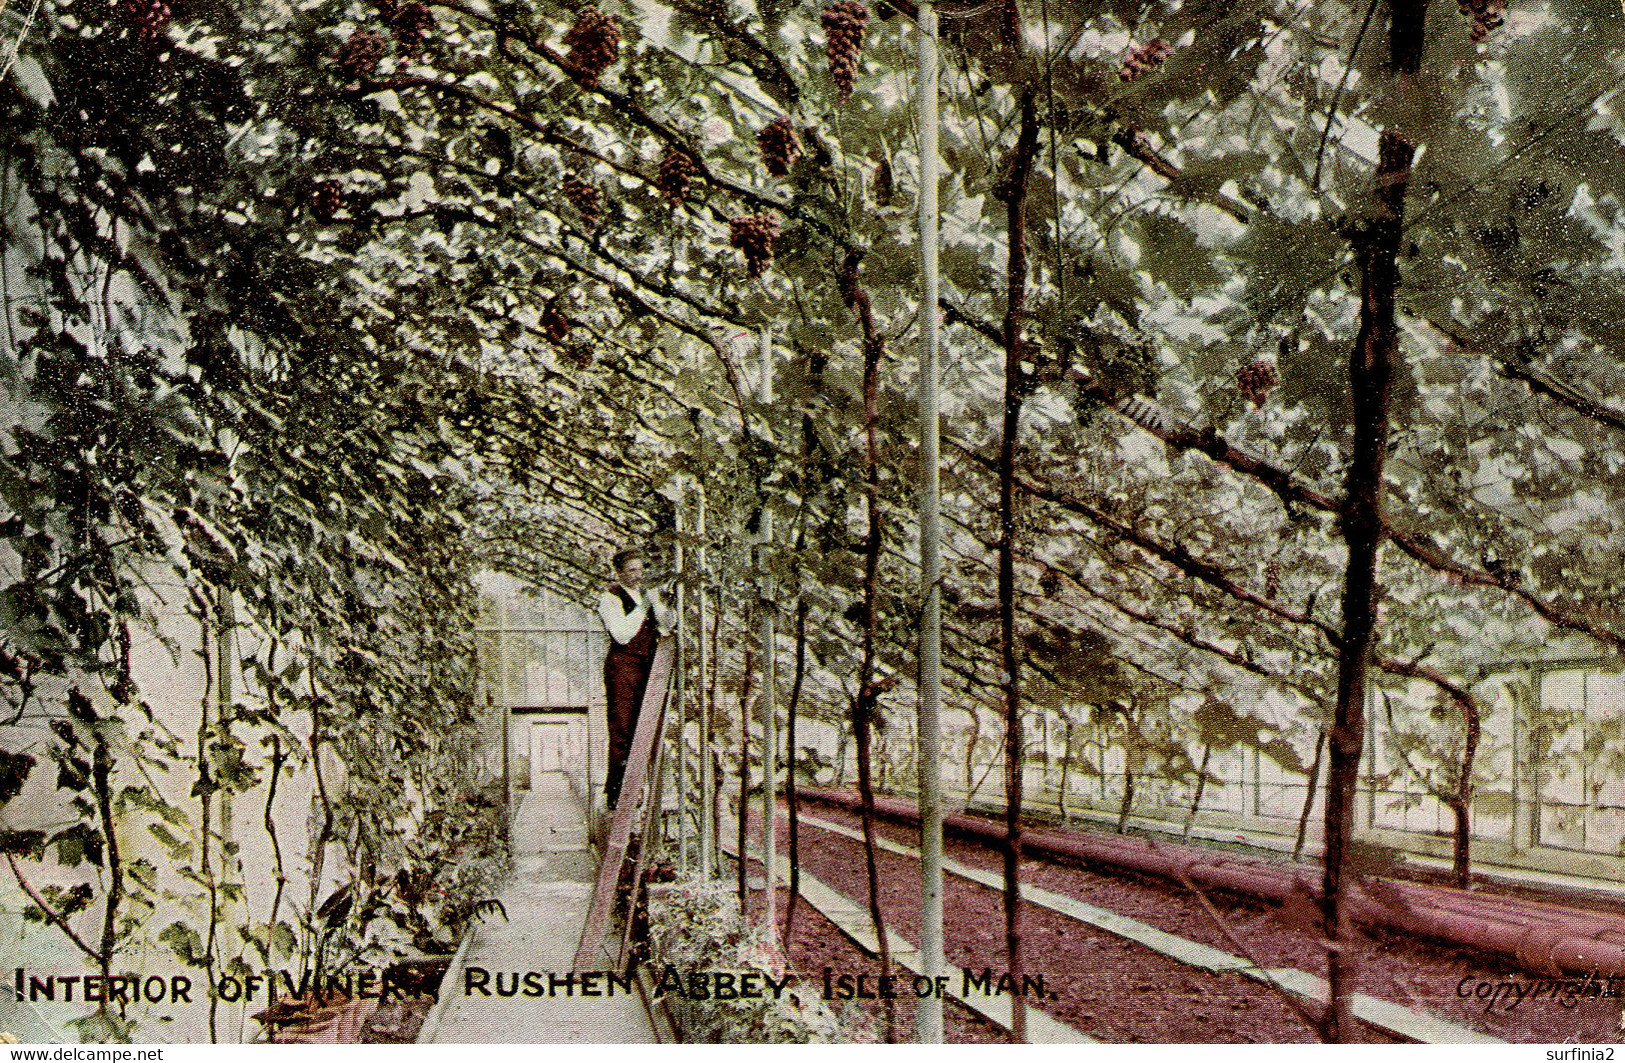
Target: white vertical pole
(680, 693)
(708, 781)
(766, 352)
(505, 712)
(770, 730)
(928, 1016)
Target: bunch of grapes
(145, 19)
(1487, 16)
(325, 199)
(779, 147)
(753, 235)
(585, 198)
(844, 23)
(1144, 58)
(594, 42)
(1255, 380)
(1009, 24)
(359, 56)
(556, 325)
(675, 176)
(1272, 580)
(885, 186)
(411, 24)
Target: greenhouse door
(558, 742)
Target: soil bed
(818, 943)
(1161, 998)
(1112, 990)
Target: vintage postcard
(844, 521)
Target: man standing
(635, 619)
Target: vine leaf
(178, 848)
(185, 943)
(14, 769)
(78, 843)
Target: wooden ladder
(642, 767)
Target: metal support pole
(708, 779)
(1372, 723)
(1585, 761)
(680, 700)
(505, 712)
(770, 743)
(1515, 779)
(766, 352)
(770, 730)
(928, 1016)
(1258, 784)
(702, 609)
(225, 640)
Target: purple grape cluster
(556, 325)
(1009, 24)
(1255, 380)
(753, 235)
(779, 147)
(844, 23)
(325, 200)
(145, 19)
(585, 198)
(1145, 58)
(411, 24)
(1487, 16)
(593, 43)
(359, 56)
(675, 176)
(884, 184)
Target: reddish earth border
(1426, 977)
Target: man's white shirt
(623, 625)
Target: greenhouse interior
(866, 521)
